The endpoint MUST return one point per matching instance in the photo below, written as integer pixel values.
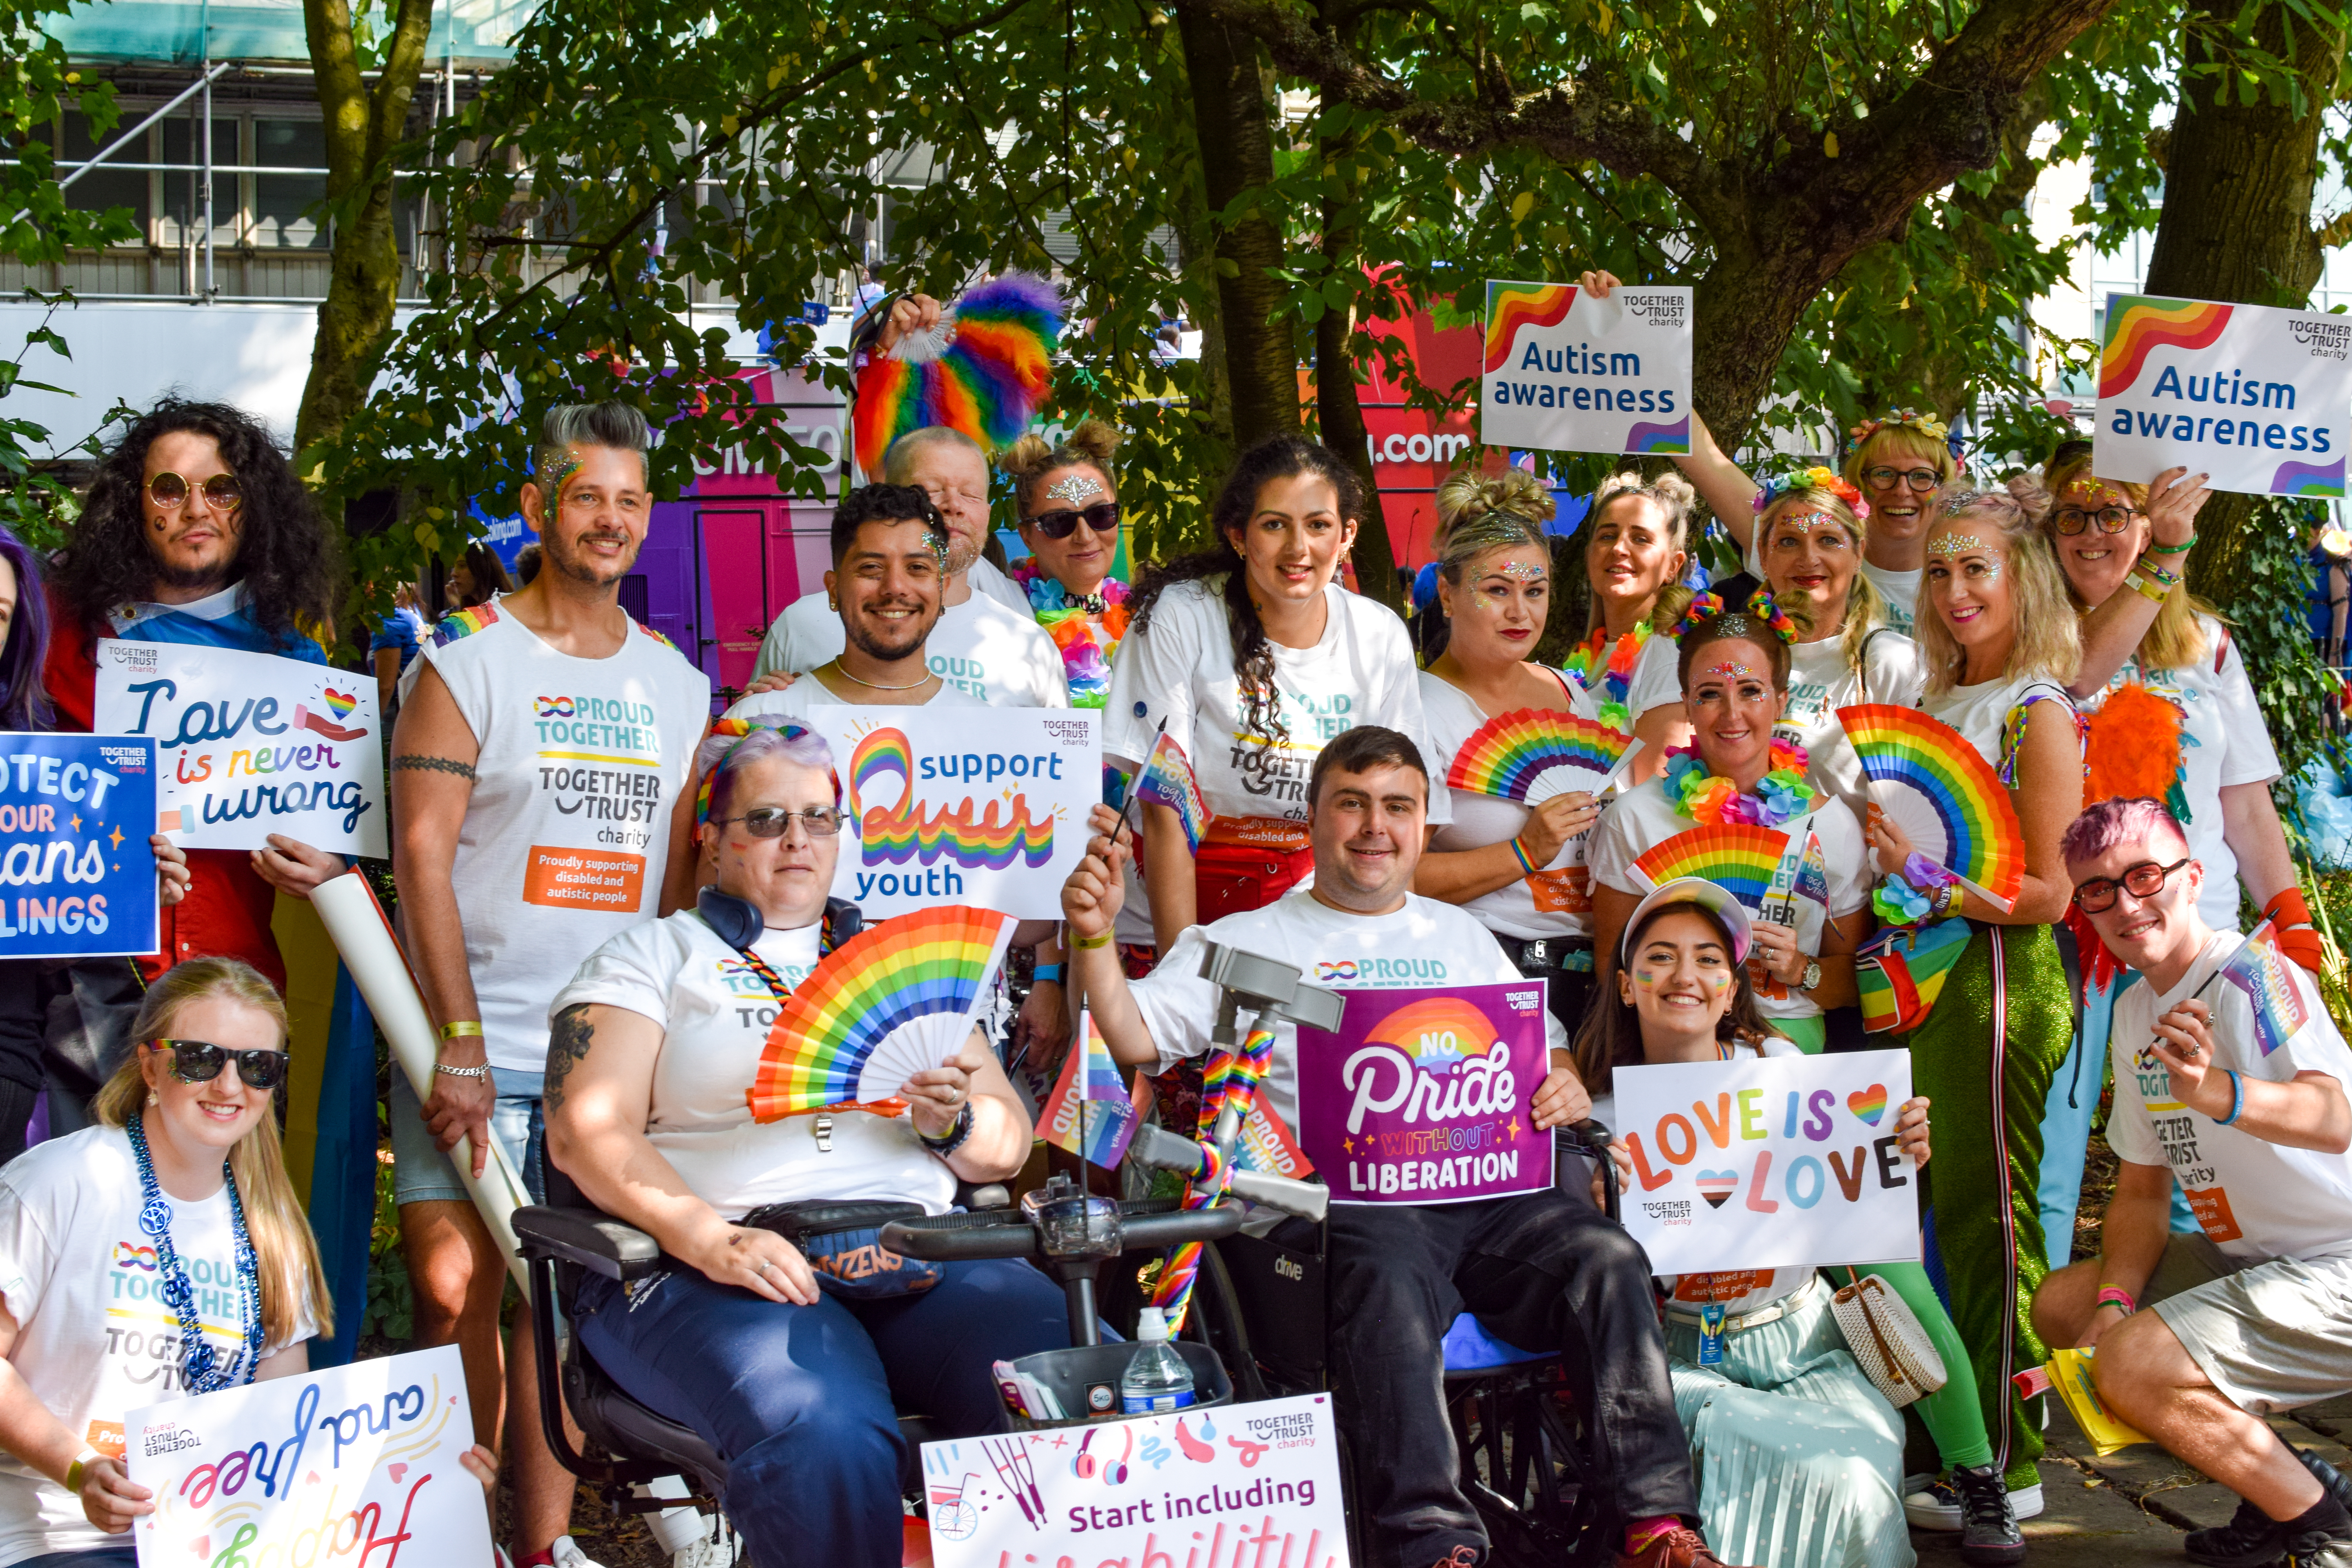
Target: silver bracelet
(482, 1072)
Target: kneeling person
(2254, 1315)
(1539, 1268)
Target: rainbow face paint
(553, 474)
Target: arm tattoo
(436, 764)
(567, 1047)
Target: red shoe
(1679, 1548)
(1460, 1557)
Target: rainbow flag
(1166, 780)
(2266, 977)
(1091, 1112)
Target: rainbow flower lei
(1607, 671)
(1780, 796)
(1088, 631)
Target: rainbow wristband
(1527, 866)
(2114, 1296)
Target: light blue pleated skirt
(1798, 1460)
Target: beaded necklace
(1086, 628)
(1780, 796)
(200, 1372)
(1606, 670)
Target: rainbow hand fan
(983, 371)
(893, 1001)
(1943, 795)
(1534, 753)
(1738, 857)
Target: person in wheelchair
(793, 1375)
(1800, 1458)
(1539, 1268)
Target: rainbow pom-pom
(988, 382)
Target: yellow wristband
(75, 1470)
(2147, 589)
(1090, 943)
(459, 1029)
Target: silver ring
(761, 1268)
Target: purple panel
(666, 563)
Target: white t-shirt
(1740, 1290)
(1901, 592)
(567, 836)
(94, 1339)
(1640, 819)
(808, 691)
(1424, 944)
(1820, 682)
(1655, 680)
(2223, 741)
(1555, 902)
(1180, 670)
(2256, 1199)
(1980, 712)
(998, 655)
(715, 1012)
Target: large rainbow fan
(1534, 753)
(983, 371)
(1942, 793)
(893, 1001)
(1739, 858)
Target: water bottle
(1157, 1379)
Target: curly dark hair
(886, 503)
(285, 558)
(1277, 457)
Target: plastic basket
(1082, 1371)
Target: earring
(152, 1099)
(832, 604)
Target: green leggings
(1952, 1414)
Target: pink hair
(2103, 826)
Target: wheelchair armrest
(591, 1240)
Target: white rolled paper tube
(356, 921)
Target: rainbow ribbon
(1232, 1080)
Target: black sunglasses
(196, 1061)
(2098, 895)
(774, 822)
(1102, 517)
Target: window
(104, 188)
(283, 205)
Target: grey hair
(899, 462)
(720, 757)
(620, 426)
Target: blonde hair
(2176, 640)
(1672, 495)
(1889, 442)
(1029, 459)
(2047, 639)
(1469, 493)
(1866, 606)
(284, 1251)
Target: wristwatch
(1812, 976)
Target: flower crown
(1708, 609)
(1927, 424)
(1829, 481)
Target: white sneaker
(1937, 1507)
(567, 1554)
(706, 1550)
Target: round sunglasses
(1102, 517)
(772, 822)
(222, 490)
(198, 1061)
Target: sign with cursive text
(355, 1465)
(76, 877)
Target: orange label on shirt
(1566, 891)
(583, 879)
(1258, 833)
(2212, 1207)
(107, 1437)
(1727, 1287)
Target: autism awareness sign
(77, 878)
(1565, 371)
(1775, 1162)
(351, 1468)
(2256, 397)
(1423, 1096)
(251, 745)
(962, 806)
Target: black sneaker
(2329, 1477)
(2318, 1549)
(2251, 1539)
(1989, 1537)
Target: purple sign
(1423, 1096)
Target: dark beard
(858, 638)
(187, 581)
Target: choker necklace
(200, 1372)
(876, 686)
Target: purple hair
(2103, 826)
(723, 756)
(24, 701)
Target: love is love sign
(1567, 371)
(1769, 1163)
(960, 806)
(1237, 1486)
(351, 1468)
(251, 745)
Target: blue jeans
(803, 1402)
(422, 1173)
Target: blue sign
(77, 878)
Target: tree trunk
(2237, 219)
(362, 128)
(1233, 121)
(1338, 413)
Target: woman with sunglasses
(1798, 1456)
(789, 1372)
(1069, 508)
(159, 1254)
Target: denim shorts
(422, 1173)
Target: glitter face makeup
(553, 475)
(1521, 572)
(1732, 672)
(1956, 544)
(1803, 522)
(1071, 490)
(2086, 488)
(1733, 626)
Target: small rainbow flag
(1738, 857)
(2265, 974)
(1166, 780)
(1532, 754)
(1091, 1112)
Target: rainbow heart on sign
(1870, 1104)
(1716, 1187)
(342, 704)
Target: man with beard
(197, 531)
(541, 771)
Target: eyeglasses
(195, 1062)
(769, 822)
(221, 491)
(1102, 517)
(2142, 881)
(1917, 478)
(2072, 521)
